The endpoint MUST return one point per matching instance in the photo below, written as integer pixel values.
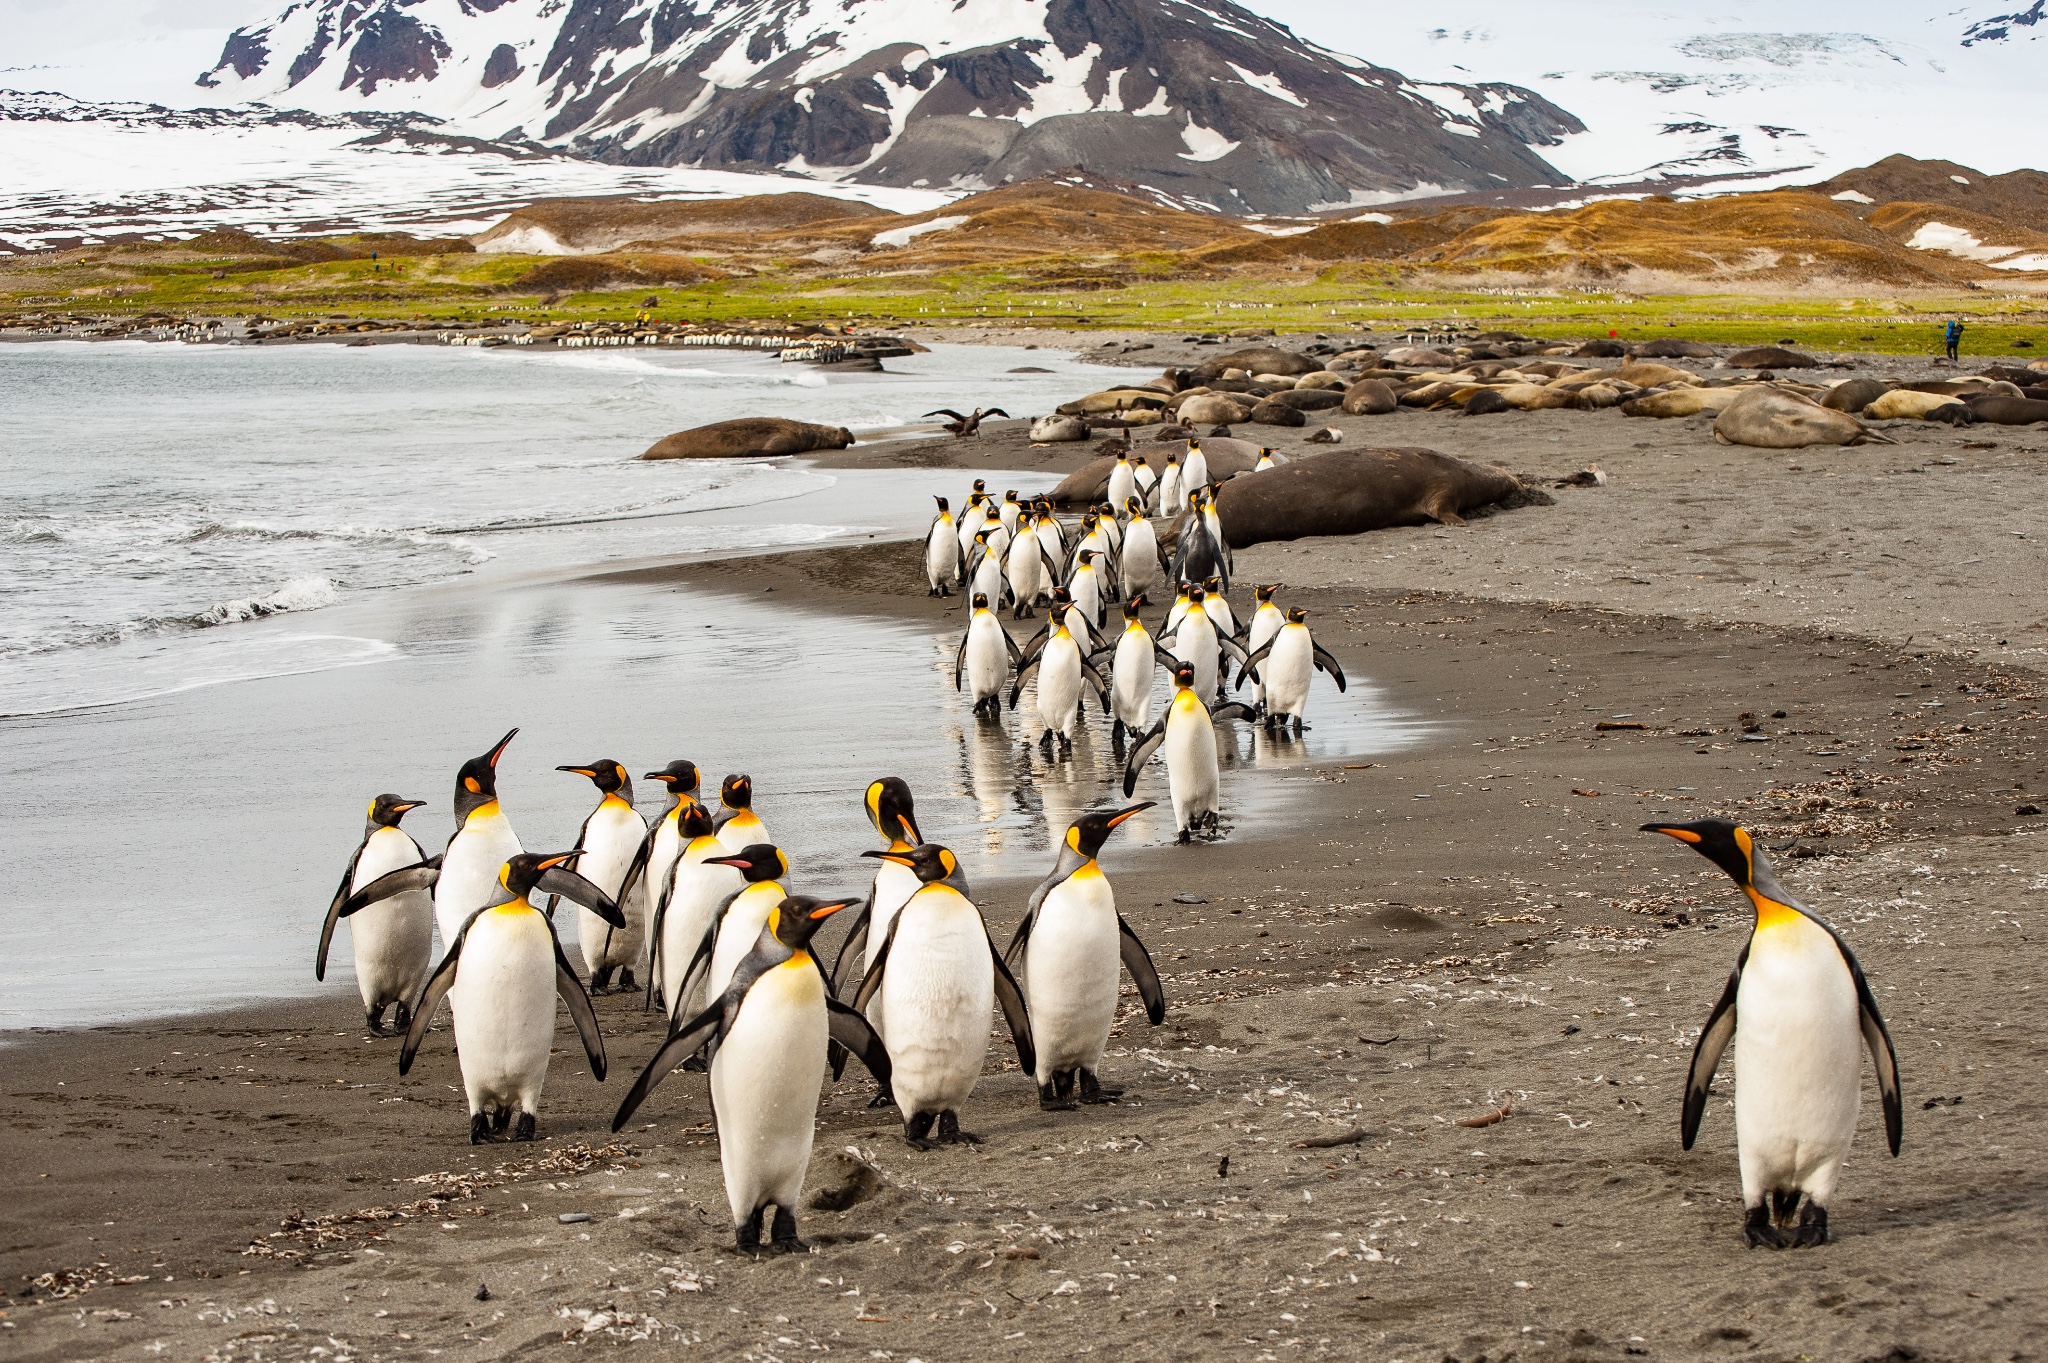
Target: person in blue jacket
(1954, 336)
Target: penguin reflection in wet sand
(1068, 949)
(1805, 1014)
(393, 933)
(770, 1031)
(501, 977)
(938, 977)
(608, 856)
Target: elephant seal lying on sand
(1369, 397)
(1055, 430)
(1347, 492)
(1666, 402)
(1854, 395)
(1773, 419)
(1903, 402)
(1771, 357)
(2005, 411)
(1089, 484)
(749, 435)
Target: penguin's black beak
(1132, 812)
(910, 829)
(491, 757)
(579, 771)
(899, 858)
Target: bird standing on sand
(1061, 670)
(944, 565)
(1266, 621)
(393, 934)
(1806, 1014)
(1187, 732)
(986, 655)
(962, 426)
(1123, 479)
(482, 844)
(608, 856)
(697, 885)
(1135, 658)
(1141, 566)
(1284, 666)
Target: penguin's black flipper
(1011, 1000)
(438, 985)
(1165, 659)
(1328, 664)
(1234, 710)
(400, 881)
(1879, 1039)
(1017, 687)
(960, 658)
(636, 870)
(1144, 974)
(855, 945)
(682, 1043)
(1094, 679)
(1033, 646)
(558, 880)
(850, 1031)
(334, 910)
(1016, 656)
(1141, 751)
(1251, 664)
(580, 1012)
(1706, 1054)
(1230, 647)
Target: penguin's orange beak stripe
(899, 858)
(1682, 834)
(827, 910)
(553, 862)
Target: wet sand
(1483, 895)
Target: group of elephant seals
(749, 436)
(1348, 492)
(1776, 419)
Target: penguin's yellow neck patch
(514, 908)
(612, 797)
(1088, 870)
(1770, 913)
(487, 810)
(797, 960)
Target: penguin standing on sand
(1284, 666)
(501, 976)
(771, 1029)
(1142, 567)
(1123, 479)
(608, 856)
(1266, 621)
(944, 567)
(393, 935)
(1198, 642)
(483, 843)
(1061, 670)
(1087, 586)
(1188, 733)
(1009, 511)
(893, 812)
(696, 886)
(971, 516)
(664, 844)
(1170, 487)
(985, 570)
(737, 921)
(1068, 950)
(739, 827)
(938, 976)
(1218, 606)
(1194, 470)
(987, 652)
(1806, 1014)
(1131, 667)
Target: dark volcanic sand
(1482, 905)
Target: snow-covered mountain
(1207, 101)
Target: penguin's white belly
(1059, 686)
(765, 1080)
(469, 871)
(393, 938)
(1265, 624)
(1798, 1061)
(938, 993)
(1191, 774)
(1088, 596)
(1141, 558)
(737, 933)
(661, 859)
(1194, 470)
(503, 1000)
(893, 887)
(987, 659)
(1287, 671)
(1131, 680)
(941, 553)
(611, 840)
(1169, 491)
(741, 831)
(1197, 645)
(1023, 569)
(1218, 611)
(699, 890)
(988, 577)
(1123, 481)
(1070, 983)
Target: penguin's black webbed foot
(626, 985)
(695, 1064)
(1092, 1090)
(917, 1126)
(1758, 1230)
(784, 1233)
(950, 1132)
(601, 981)
(479, 1129)
(747, 1235)
(374, 1018)
(1049, 1099)
(1186, 836)
(501, 1119)
(1813, 1226)
(883, 1098)
(401, 1019)
(524, 1130)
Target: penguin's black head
(1088, 557)
(1722, 841)
(1062, 598)
(606, 774)
(520, 874)
(981, 485)
(941, 501)
(737, 792)
(476, 785)
(1091, 830)
(1133, 606)
(1135, 507)
(1194, 444)
(798, 917)
(695, 821)
(1184, 676)
(755, 863)
(1195, 595)
(981, 601)
(1265, 594)
(893, 812)
(931, 861)
(1173, 456)
(680, 776)
(1295, 615)
(387, 810)
(1214, 586)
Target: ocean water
(435, 541)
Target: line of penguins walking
(697, 900)
(1010, 552)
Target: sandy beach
(1287, 1175)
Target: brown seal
(750, 436)
(1772, 418)
(1854, 395)
(1771, 357)
(1369, 397)
(1346, 492)
(1089, 484)
(1995, 408)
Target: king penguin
(608, 856)
(1188, 732)
(483, 843)
(771, 1029)
(987, 652)
(665, 842)
(1131, 668)
(1068, 949)
(737, 921)
(893, 811)
(938, 976)
(696, 885)
(1284, 665)
(393, 934)
(1266, 621)
(943, 566)
(501, 976)
(739, 827)
(1806, 1014)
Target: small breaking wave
(299, 594)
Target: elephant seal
(1600, 350)
(1263, 359)
(1210, 408)
(1487, 401)
(1853, 395)
(1771, 357)
(2000, 410)
(1114, 400)
(1369, 397)
(1905, 403)
(1535, 397)
(1056, 430)
(1653, 375)
(1308, 399)
(1322, 378)
(1675, 350)
(1089, 484)
(1670, 402)
(1773, 419)
(1347, 492)
(1273, 412)
(749, 436)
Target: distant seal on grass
(2000, 410)
(1773, 419)
(1771, 357)
(1347, 492)
(1855, 394)
(1369, 397)
(749, 436)
(1907, 404)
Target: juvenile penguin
(939, 977)
(1068, 949)
(501, 976)
(1806, 1015)
(987, 652)
(608, 856)
(737, 824)
(482, 844)
(771, 1029)
(944, 567)
(1284, 666)
(1188, 733)
(696, 885)
(393, 934)
(1061, 670)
